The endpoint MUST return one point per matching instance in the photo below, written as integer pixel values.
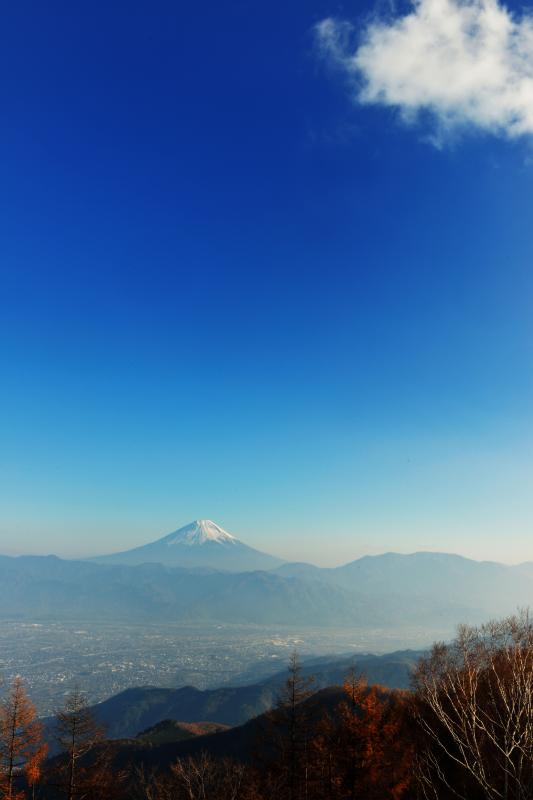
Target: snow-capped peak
(199, 532)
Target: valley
(200, 608)
(105, 658)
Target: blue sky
(244, 277)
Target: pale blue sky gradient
(229, 292)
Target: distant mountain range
(50, 588)
(201, 543)
(217, 583)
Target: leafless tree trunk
(195, 778)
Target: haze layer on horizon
(248, 275)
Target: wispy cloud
(465, 64)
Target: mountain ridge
(435, 591)
(133, 710)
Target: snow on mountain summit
(199, 532)
(201, 543)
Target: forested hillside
(133, 710)
(463, 729)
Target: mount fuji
(201, 543)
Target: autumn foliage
(362, 751)
(22, 750)
(465, 731)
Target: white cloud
(467, 64)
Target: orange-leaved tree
(385, 751)
(364, 749)
(22, 750)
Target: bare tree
(77, 733)
(474, 707)
(150, 785)
(198, 778)
(204, 778)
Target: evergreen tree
(290, 727)
(83, 768)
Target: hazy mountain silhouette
(50, 588)
(138, 709)
(430, 590)
(480, 586)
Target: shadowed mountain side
(392, 669)
(240, 743)
(170, 730)
(135, 710)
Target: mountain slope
(436, 580)
(46, 587)
(134, 710)
(433, 590)
(170, 730)
(240, 743)
(201, 543)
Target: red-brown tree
(22, 750)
